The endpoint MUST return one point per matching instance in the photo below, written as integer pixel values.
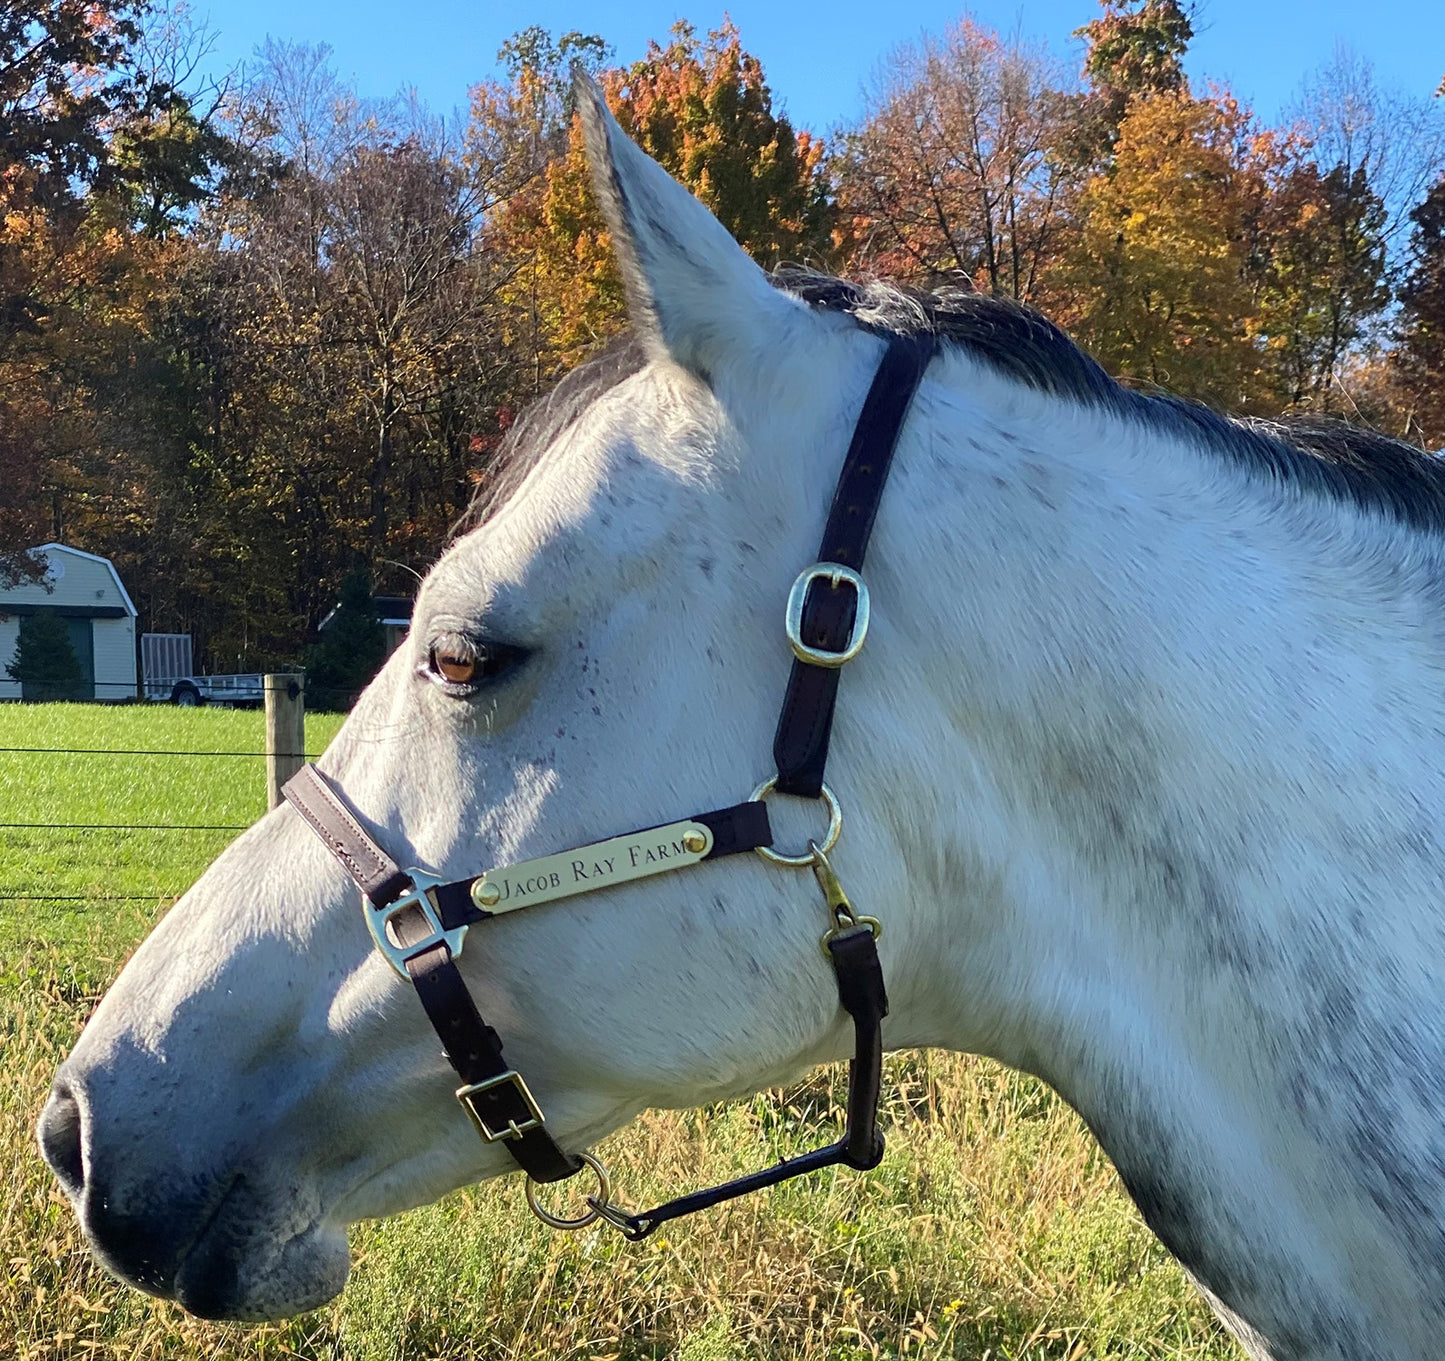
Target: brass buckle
(419, 897)
(837, 574)
(845, 916)
(513, 1129)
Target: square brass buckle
(513, 1130)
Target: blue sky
(817, 56)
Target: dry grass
(993, 1229)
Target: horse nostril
(59, 1135)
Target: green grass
(47, 869)
(994, 1228)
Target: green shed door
(82, 639)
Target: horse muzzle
(223, 1242)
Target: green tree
(1135, 51)
(45, 662)
(1320, 258)
(351, 651)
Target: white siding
(9, 635)
(114, 658)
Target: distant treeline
(260, 333)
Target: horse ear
(692, 291)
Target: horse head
(602, 651)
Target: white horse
(1142, 767)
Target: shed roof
(50, 549)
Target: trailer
(168, 677)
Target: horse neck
(1129, 701)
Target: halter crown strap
(800, 746)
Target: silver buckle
(513, 1129)
(837, 574)
(419, 897)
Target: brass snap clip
(845, 917)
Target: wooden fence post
(285, 731)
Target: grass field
(993, 1229)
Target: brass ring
(604, 1194)
(835, 828)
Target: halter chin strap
(419, 922)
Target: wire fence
(333, 698)
(100, 829)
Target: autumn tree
(73, 89)
(52, 146)
(1159, 276)
(1319, 261)
(1135, 51)
(322, 376)
(702, 108)
(64, 75)
(1395, 140)
(1419, 361)
(955, 170)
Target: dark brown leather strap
(800, 746)
(376, 874)
(743, 827)
(500, 1100)
(862, 995)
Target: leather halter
(419, 922)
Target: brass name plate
(619, 860)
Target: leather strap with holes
(800, 745)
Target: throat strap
(862, 995)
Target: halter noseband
(419, 923)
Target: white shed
(86, 592)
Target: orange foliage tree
(702, 108)
(958, 169)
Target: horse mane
(1319, 457)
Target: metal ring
(604, 1194)
(835, 828)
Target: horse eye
(461, 661)
(453, 664)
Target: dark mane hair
(544, 421)
(1320, 457)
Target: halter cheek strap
(828, 618)
(418, 922)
